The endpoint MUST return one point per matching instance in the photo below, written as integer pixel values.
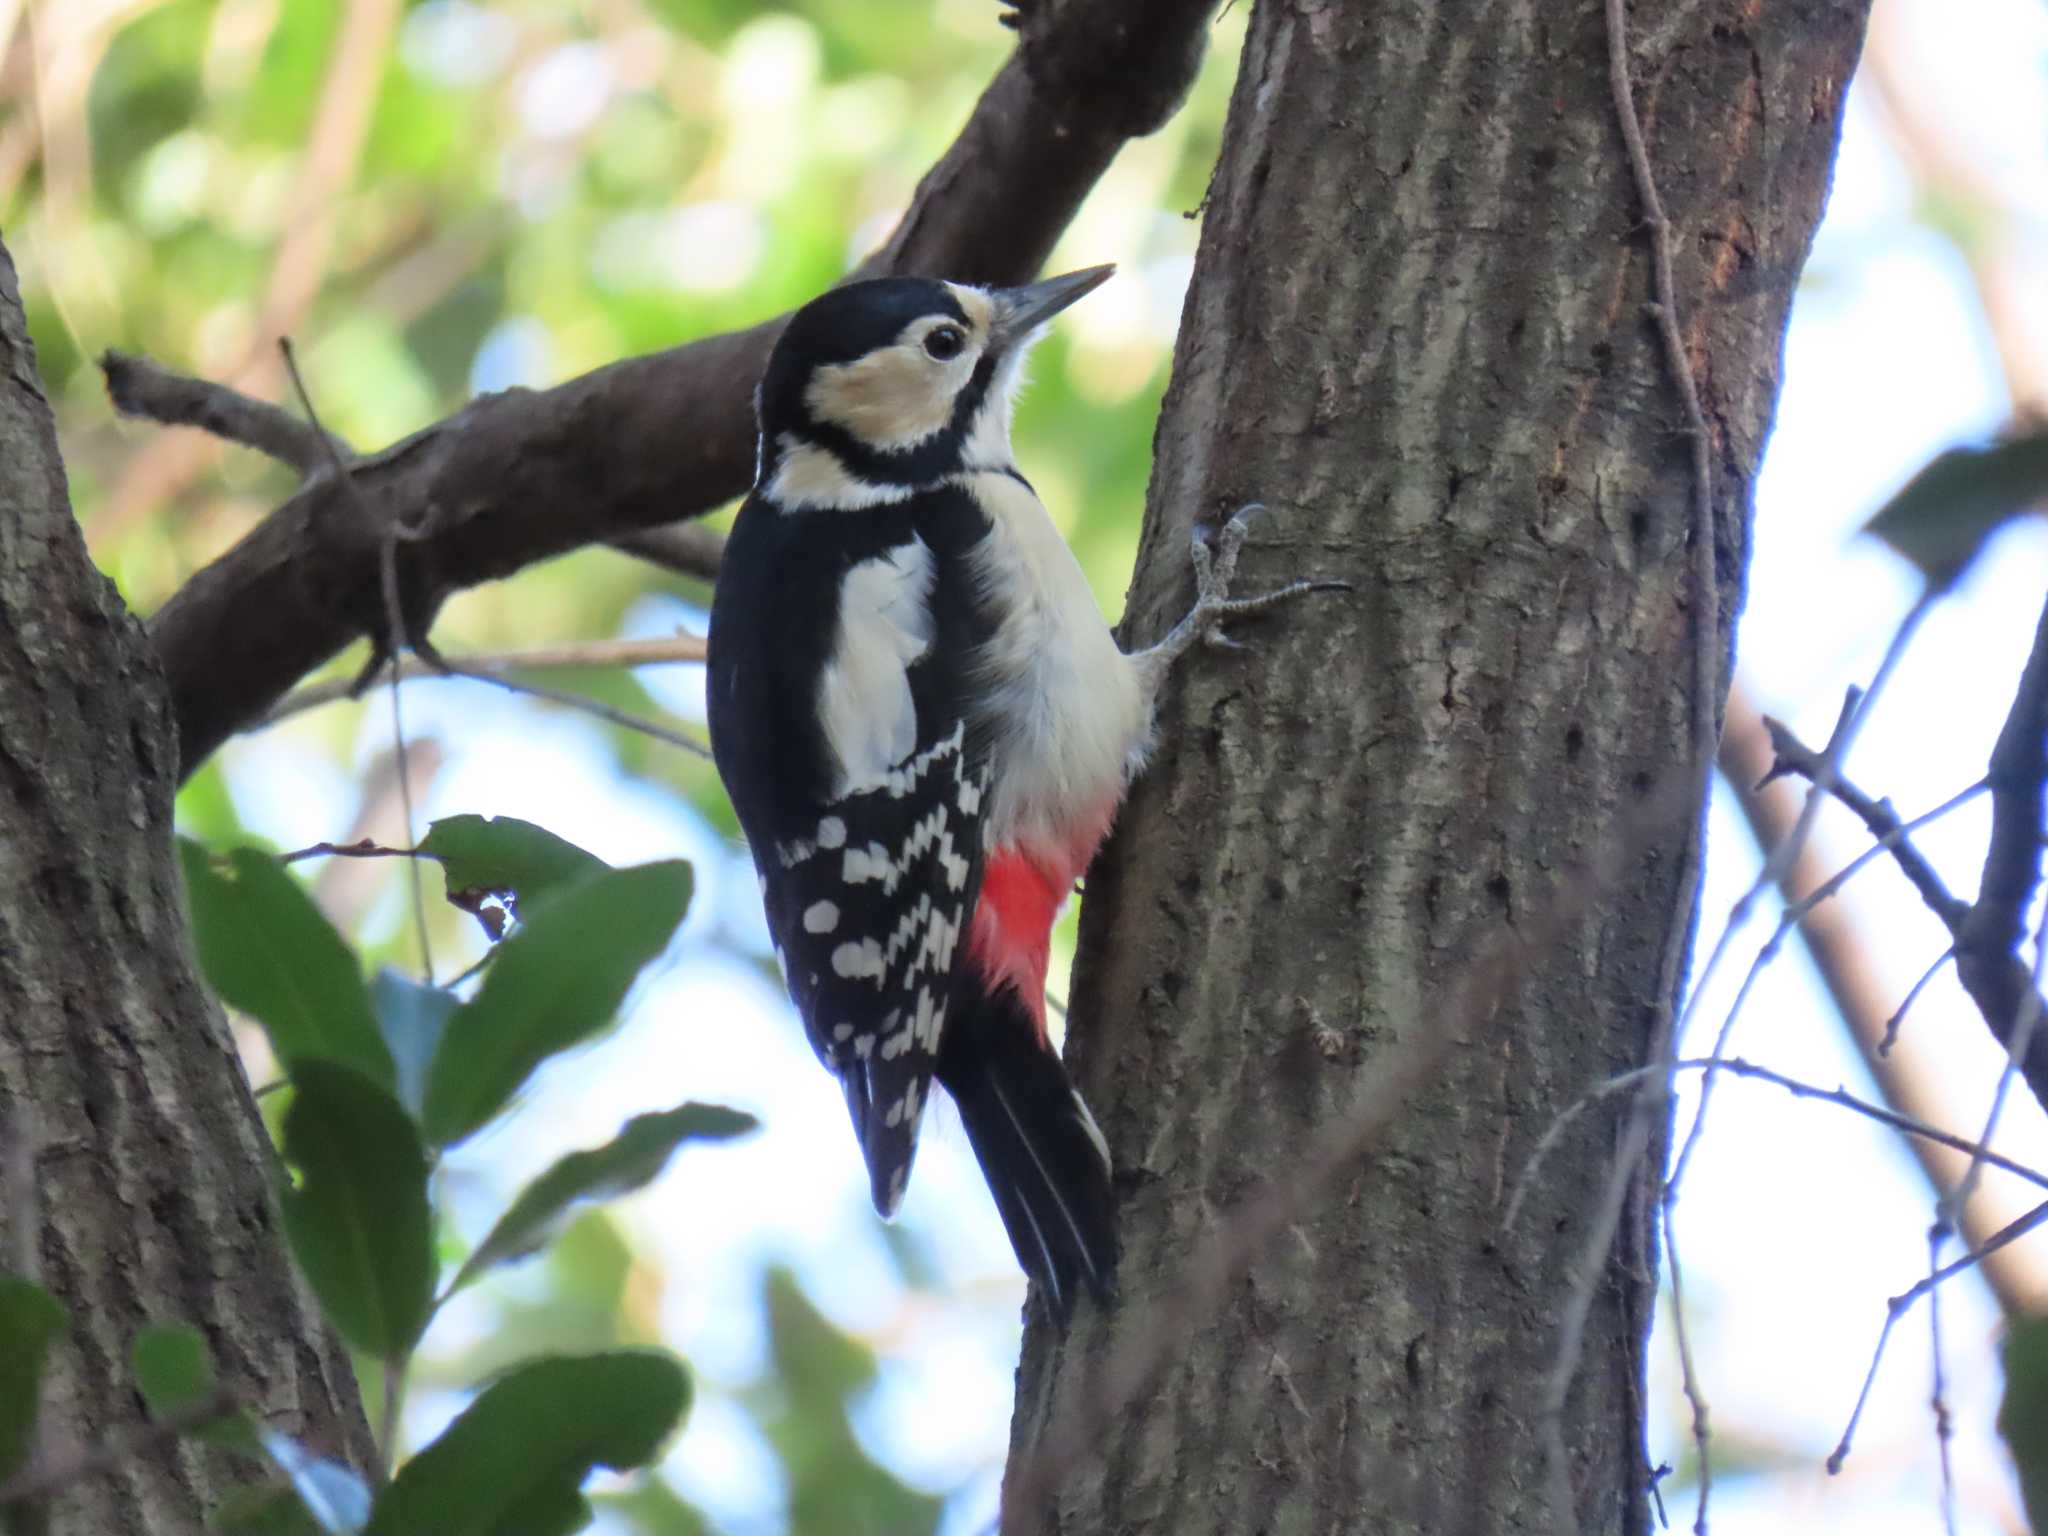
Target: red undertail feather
(1011, 936)
(1037, 1144)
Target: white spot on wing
(885, 624)
(831, 833)
(821, 917)
(855, 960)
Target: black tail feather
(1037, 1145)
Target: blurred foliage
(437, 197)
(2023, 1416)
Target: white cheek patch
(894, 398)
(811, 479)
(885, 624)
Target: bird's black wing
(865, 822)
(870, 913)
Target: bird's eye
(944, 342)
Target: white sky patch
(566, 91)
(455, 42)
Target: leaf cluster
(382, 1079)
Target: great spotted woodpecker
(926, 727)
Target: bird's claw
(1214, 557)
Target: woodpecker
(926, 727)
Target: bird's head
(877, 388)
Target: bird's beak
(1020, 311)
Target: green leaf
(173, 1367)
(513, 1463)
(1945, 513)
(2023, 1415)
(30, 1319)
(633, 1158)
(267, 951)
(358, 1216)
(515, 861)
(555, 983)
(332, 1494)
(412, 1018)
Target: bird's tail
(1045, 1161)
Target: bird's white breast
(1066, 704)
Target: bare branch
(1896, 1308)
(1986, 962)
(522, 475)
(1987, 943)
(1793, 756)
(139, 387)
(502, 664)
(1944, 1426)
(393, 637)
(1841, 950)
(1736, 1066)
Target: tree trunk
(1419, 332)
(144, 1198)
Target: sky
(1797, 1220)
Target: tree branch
(139, 387)
(1987, 959)
(522, 475)
(1987, 942)
(1791, 755)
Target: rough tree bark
(1418, 332)
(145, 1197)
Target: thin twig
(1896, 1308)
(1825, 777)
(1788, 919)
(1890, 1037)
(1653, 1096)
(116, 1450)
(361, 850)
(1793, 756)
(1736, 1066)
(1944, 1429)
(2017, 1045)
(588, 706)
(1688, 1372)
(394, 619)
(676, 649)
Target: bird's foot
(1215, 569)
